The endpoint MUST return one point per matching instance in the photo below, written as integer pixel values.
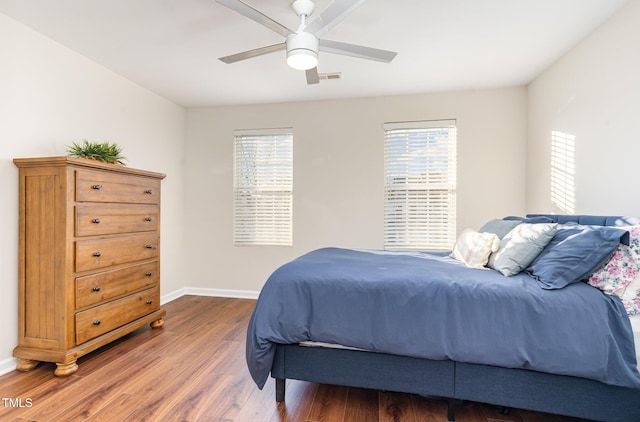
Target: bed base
(378, 371)
(504, 387)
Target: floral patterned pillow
(632, 306)
(620, 276)
(615, 275)
(634, 241)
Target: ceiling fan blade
(254, 53)
(312, 76)
(332, 15)
(254, 14)
(359, 51)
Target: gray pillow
(499, 227)
(521, 246)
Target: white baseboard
(238, 294)
(197, 291)
(9, 364)
(172, 296)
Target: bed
(468, 345)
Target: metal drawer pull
(148, 191)
(96, 254)
(96, 322)
(148, 274)
(97, 187)
(149, 301)
(96, 289)
(147, 219)
(96, 221)
(149, 246)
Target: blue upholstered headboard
(592, 220)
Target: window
(420, 185)
(563, 192)
(263, 187)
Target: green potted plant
(107, 152)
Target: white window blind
(563, 191)
(420, 185)
(263, 187)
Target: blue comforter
(431, 306)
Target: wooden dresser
(89, 257)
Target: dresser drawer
(118, 218)
(100, 253)
(94, 289)
(106, 187)
(104, 318)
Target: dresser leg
(157, 324)
(65, 369)
(25, 365)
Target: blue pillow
(573, 254)
(530, 220)
(499, 227)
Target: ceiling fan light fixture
(302, 51)
(302, 59)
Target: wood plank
(260, 405)
(329, 403)
(470, 412)
(208, 391)
(298, 406)
(362, 405)
(531, 416)
(50, 396)
(77, 402)
(396, 407)
(500, 414)
(117, 409)
(429, 409)
(230, 398)
(16, 382)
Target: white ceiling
(171, 46)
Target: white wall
(338, 174)
(51, 96)
(593, 92)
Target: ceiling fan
(303, 44)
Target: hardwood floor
(194, 369)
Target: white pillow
(473, 248)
